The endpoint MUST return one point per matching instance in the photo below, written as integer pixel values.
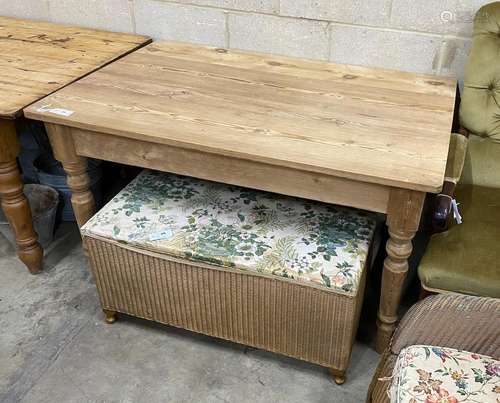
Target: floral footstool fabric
(443, 375)
(310, 242)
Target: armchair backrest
(480, 106)
(482, 163)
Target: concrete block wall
(429, 36)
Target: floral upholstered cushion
(237, 227)
(431, 374)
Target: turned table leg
(75, 166)
(403, 218)
(14, 203)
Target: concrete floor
(55, 347)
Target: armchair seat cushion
(466, 258)
(313, 243)
(431, 374)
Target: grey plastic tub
(51, 173)
(43, 202)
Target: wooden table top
(370, 125)
(38, 58)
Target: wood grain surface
(369, 125)
(219, 168)
(13, 202)
(38, 58)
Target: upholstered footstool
(274, 272)
(433, 374)
(446, 349)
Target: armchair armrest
(454, 168)
(452, 320)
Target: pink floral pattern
(429, 374)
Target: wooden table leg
(403, 218)
(75, 166)
(14, 203)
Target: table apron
(231, 170)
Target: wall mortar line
(228, 32)
(131, 5)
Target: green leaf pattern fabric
(241, 228)
(432, 374)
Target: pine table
(367, 138)
(36, 59)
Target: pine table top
(370, 125)
(38, 58)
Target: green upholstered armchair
(466, 258)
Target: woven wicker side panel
(456, 321)
(380, 384)
(295, 320)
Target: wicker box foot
(110, 316)
(338, 376)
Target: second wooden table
(367, 138)
(36, 59)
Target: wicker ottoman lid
(231, 226)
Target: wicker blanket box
(269, 271)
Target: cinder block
(454, 55)
(262, 6)
(279, 35)
(369, 12)
(444, 16)
(180, 22)
(390, 49)
(34, 10)
(111, 15)
(316, 9)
